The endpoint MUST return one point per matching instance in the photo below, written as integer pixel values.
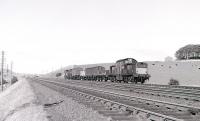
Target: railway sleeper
(151, 108)
(104, 108)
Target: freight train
(124, 70)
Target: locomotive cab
(68, 74)
(126, 69)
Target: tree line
(188, 52)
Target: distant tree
(58, 74)
(188, 52)
(4, 81)
(173, 82)
(14, 80)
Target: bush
(58, 74)
(173, 82)
(14, 79)
(4, 81)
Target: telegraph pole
(7, 70)
(2, 62)
(11, 68)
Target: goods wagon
(95, 73)
(98, 70)
(76, 73)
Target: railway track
(152, 110)
(177, 92)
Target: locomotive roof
(125, 59)
(142, 63)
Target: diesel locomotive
(124, 70)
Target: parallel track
(154, 110)
(178, 92)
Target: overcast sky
(41, 35)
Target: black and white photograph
(99, 60)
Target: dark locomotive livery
(124, 70)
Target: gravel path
(62, 108)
